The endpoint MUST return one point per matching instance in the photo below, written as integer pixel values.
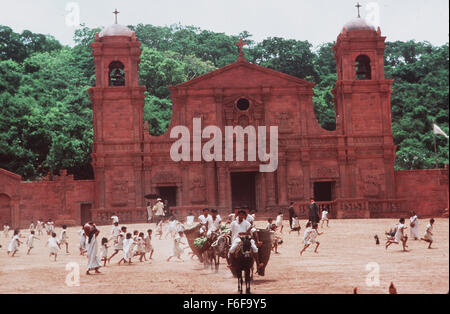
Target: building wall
(426, 191)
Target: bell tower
(363, 113)
(117, 103)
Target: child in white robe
(324, 217)
(295, 225)
(32, 226)
(39, 225)
(279, 222)
(14, 244)
(30, 241)
(177, 250)
(6, 230)
(118, 243)
(127, 249)
(310, 236)
(82, 241)
(428, 237)
(414, 224)
(159, 229)
(104, 251)
(148, 243)
(140, 251)
(53, 245)
(63, 239)
(399, 236)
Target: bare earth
(347, 246)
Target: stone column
(270, 185)
(282, 180)
(222, 185)
(211, 184)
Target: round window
(243, 104)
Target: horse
(243, 262)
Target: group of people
(397, 234)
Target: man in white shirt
(213, 223)
(204, 220)
(241, 227)
(158, 210)
(190, 220)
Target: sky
(318, 21)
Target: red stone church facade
(349, 170)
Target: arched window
(116, 74)
(363, 70)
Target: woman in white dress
(14, 244)
(91, 234)
(414, 224)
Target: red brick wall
(426, 191)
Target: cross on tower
(116, 12)
(358, 6)
(240, 44)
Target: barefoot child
(141, 247)
(428, 237)
(295, 225)
(177, 250)
(39, 225)
(399, 236)
(82, 241)
(63, 239)
(118, 243)
(104, 251)
(324, 216)
(159, 229)
(310, 236)
(279, 222)
(127, 249)
(148, 243)
(6, 229)
(14, 244)
(53, 245)
(30, 241)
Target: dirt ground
(347, 247)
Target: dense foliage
(46, 116)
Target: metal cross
(116, 12)
(358, 6)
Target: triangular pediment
(243, 74)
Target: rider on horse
(239, 228)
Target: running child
(400, 235)
(118, 243)
(14, 244)
(148, 243)
(295, 225)
(279, 222)
(324, 216)
(127, 249)
(30, 242)
(309, 238)
(53, 245)
(64, 239)
(177, 250)
(428, 237)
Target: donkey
(219, 249)
(243, 262)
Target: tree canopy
(46, 115)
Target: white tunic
(14, 244)
(428, 233)
(53, 245)
(30, 241)
(279, 220)
(127, 248)
(324, 215)
(93, 260)
(115, 219)
(414, 230)
(190, 220)
(82, 239)
(237, 228)
(205, 220)
(214, 225)
(399, 233)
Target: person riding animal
(241, 228)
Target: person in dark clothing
(291, 213)
(314, 216)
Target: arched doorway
(5, 210)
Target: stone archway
(5, 210)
